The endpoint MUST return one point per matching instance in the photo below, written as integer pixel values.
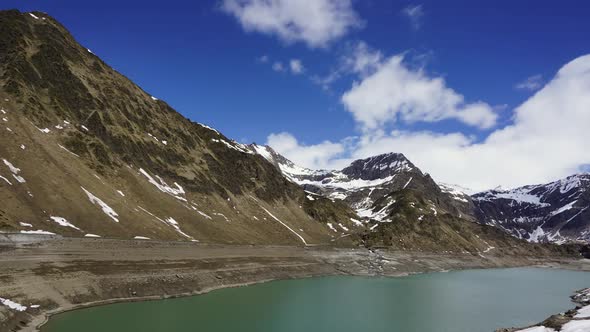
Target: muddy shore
(65, 274)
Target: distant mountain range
(86, 152)
(554, 212)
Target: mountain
(86, 152)
(553, 212)
(399, 205)
(364, 182)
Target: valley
(108, 194)
(50, 275)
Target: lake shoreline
(69, 274)
(580, 297)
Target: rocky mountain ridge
(554, 212)
(401, 206)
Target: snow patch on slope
(177, 192)
(282, 223)
(63, 222)
(14, 171)
(105, 208)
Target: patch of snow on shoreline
(584, 312)
(537, 329)
(576, 326)
(12, 305)
(38, 232)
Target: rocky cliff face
(553, 212)
(86, 152)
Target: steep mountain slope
(400, 206)
(555, 212)
(85, 152)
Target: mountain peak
(380, 166)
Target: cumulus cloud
(414, 13)
(547, 140)
(318, 156)
(296, 66)
(532, 83)
(392, 91)
(314, 22)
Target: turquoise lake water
(462, 301)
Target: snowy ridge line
(347, 185)
(457, 192)
(235, 146)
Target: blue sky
(203, 59)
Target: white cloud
(415, 13)
(532, 83)
(296, 66)
(393, 91)
(362, 60)
(314, 22)
(278, 66)
(317, 156)
(547, 140)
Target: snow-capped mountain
(553, 212)
(365, 182)
(399, 205)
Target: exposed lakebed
(470, 301)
